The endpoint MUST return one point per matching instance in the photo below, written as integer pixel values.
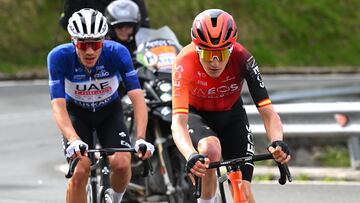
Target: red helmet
(214, 29)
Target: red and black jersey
(192, 86)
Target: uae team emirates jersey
(93, 88)
(193, 86)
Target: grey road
(30, 145)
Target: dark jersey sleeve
(255, 83)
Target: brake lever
(74, 162)
(148, 166)
(284, 173)
(197, 192)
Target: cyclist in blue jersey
(83, 79)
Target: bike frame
(102, 163)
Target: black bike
(98, 188)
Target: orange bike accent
(236, 183)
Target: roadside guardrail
(306, 120)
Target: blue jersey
(97, 87)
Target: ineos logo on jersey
(216, 92)
(254, 70)
(178, 69)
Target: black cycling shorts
(107, 123)
(232, 129)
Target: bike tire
(89, 194)
(107, 196)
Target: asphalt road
(30, 147)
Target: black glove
(282, 144)
(192, 161)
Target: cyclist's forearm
(181, 136)
(272, 123)
(62, 119)
(140, 112)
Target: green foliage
(278, 33)
(335, 156)
(266, 177)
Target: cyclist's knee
(210, 146)
(120, 163)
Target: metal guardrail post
(354, 149)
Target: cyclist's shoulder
(62, 51)
(113, 47)
(240, 50)
(187, 56)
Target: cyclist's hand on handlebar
(149, 149)
(280, 151)
(75, 147)
(197, 165)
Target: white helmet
(87, 23)
(122, 11)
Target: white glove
(75, 147)
(149, 146)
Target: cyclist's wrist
(140, 138)
(189, 154)
(72, 139)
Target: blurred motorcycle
(156, 52)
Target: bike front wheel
(107, 196)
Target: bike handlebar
(153, 104)
(283, 169)
(107, 151)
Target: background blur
(283, 35)
(307, 51)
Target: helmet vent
(226, 45)
(93, 16)
(235, 33)
(213, 22)
(76, 27)
(83, 23)
(204, 46)
(215, 40)
(228, 30)
(101, 24)
(200, 33)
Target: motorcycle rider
(70, 6)
(124, 21)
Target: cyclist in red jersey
(209, 120)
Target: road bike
(98, 188)
(234, 175)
